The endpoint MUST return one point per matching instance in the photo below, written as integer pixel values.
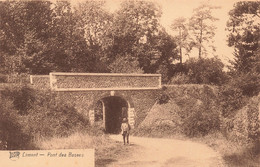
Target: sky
(172, 9)
(183, 8)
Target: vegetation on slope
(35, 114)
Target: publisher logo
(14, 155)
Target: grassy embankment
(192, 113)
(234, 154)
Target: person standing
(125, 129)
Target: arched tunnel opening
(111, 110)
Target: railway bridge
(104, 98)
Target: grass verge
(233, 154)
(106, 150)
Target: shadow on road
(104, 162)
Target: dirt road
(156, 152)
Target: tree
(137, 32)
(167, 54)
(134, 24)
(25, 28)
(125, 64)
(244, 34)
(180, 26)
(62, 41)
(206, 71)
(202, 29)
(39, 37)
(67, 44)
(95, 24)
(34, 57)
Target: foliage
(231, 99)
(180, 78)
(205, 71)
(200, 112)
(243, 26)
(182, 38)
(197, 33)
(191, 110)
(40, 37)
(53, 116)
(253, 120)
(249, 83)
(235, 93)
(136, 22)
(242, 155)
(25, 27)
(243, 125)
(12, 135)
(137, 32)
(163, 98)
(201, 122)
(125, 64)
(165, 70)
(202, 30)
(43, 113)
(94, 25)
(22, 96)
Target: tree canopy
(244, 34)
(202, 29)
(40, 37)
(182, 38)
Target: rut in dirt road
(157, 152)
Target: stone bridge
(105, 98)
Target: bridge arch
(113, 93)
(110, 108)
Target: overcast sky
(173, 9)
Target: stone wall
(92, 81)
(40, 81)
(140, 101)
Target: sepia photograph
(129, 83)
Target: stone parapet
(104, 81)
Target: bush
(19, 78)
(180, 78)
(201, 122)
(231, 99)
(236, 93)
(240, 111)
(22, 96)
(206, 71)
(12, 135)
(199, 110)
(163, 97)
(42, 113)
(54, 117)
(248, 83)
